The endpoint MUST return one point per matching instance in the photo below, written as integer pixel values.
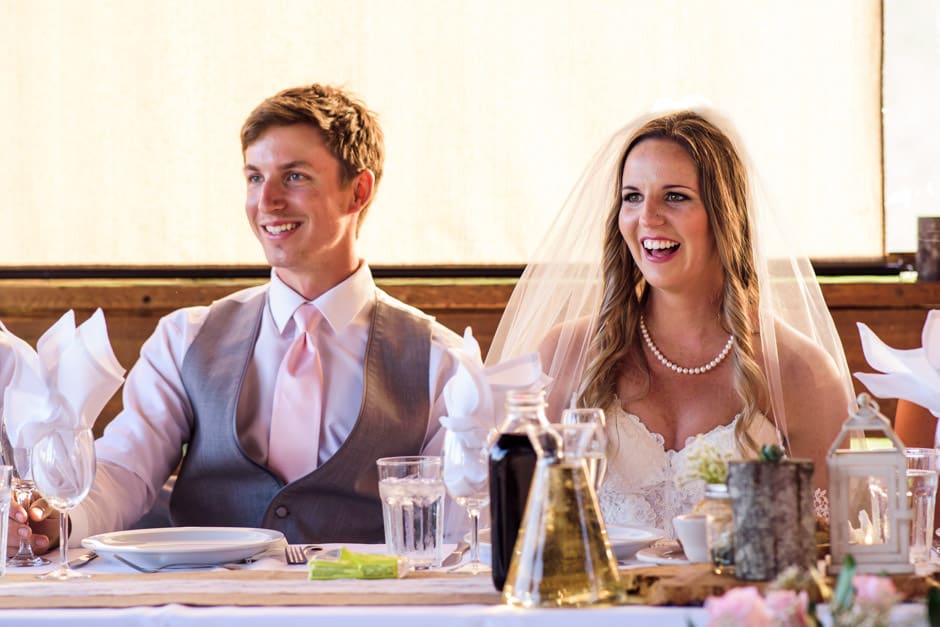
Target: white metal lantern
(869, 516)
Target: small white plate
(625, 541)
(152, 548)
(662, 553)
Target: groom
(284, 395)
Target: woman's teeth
(659, 244)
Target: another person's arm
(914, 425)
(142, 446)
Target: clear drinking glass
(595, 456)
(64, 470)
(466, 476)
(412, 493)
(922, 495)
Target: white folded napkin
(64, 384)
(912, 374)
(474, 401)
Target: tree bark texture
(774, 521)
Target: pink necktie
(298, 398)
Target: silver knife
(456, 555)
(82, 559)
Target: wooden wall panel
(895, 312)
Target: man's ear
(363, 185)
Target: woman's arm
(914, 425)
(816, 400)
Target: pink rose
(787, 608)
(738, 606)
(874, 593)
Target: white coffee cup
(691, 531)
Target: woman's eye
(254, 178)
(675, 197)
(632, 197)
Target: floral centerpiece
(858, 601)
(706, 462)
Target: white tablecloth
(323, 616)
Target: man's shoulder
(188, 320)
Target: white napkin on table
(474, 401)
(912, 374)
(64, 384)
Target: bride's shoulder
(801, 358)
(564, 334)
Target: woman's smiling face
(663, 219)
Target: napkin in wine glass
(912, 374)
(474, 401)
(64, 384)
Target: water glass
(922, 496)
(595, 456)
(6, 483)
(412, 493)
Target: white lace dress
(640, 489)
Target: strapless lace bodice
(640, 487)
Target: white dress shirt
(141, 446)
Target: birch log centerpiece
(774, 521)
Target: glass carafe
(562, 556)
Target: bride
(663, 295)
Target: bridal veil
(563, 280)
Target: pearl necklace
(677, 368)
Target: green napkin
(348, 565)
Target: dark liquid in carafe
(512, 464)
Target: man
(209, 378)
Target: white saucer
(662, 553)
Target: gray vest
(218, 485)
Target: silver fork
(144, 569)
(297, 553)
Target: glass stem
(64, 539)
(22, 499)
(474, 535)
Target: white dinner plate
(662, 553)
(625, 541)
(152, 548)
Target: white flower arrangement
(706, 463)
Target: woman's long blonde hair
(615, 344)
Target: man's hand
(40, 526)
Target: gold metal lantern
(868, 506)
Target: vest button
(281, 511)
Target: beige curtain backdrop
(911, 117)
(122, 118)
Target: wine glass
(596, 453)
(24, 491)
(64, 470)
(466, 474)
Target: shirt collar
(339, 305)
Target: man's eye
(254, 178)
(295, 176)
